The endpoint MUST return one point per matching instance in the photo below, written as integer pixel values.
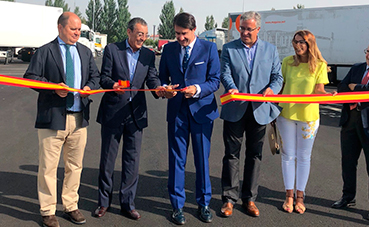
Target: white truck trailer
(217, 36)
(342, 33)
(26, 32)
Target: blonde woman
(303, 73)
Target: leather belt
(73, 112)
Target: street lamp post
(93, 15)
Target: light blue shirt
(250, 53)
(77, 72)
(132, 58)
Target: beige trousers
(73, 141)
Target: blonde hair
(314, 54)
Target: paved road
(19, 159)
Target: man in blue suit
(354, 132)
(124, 114)
(248, 65)
(192, 65)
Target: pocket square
(199, 63)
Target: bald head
(69, 27)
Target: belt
(73, 112)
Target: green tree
(108, 18)
(123, 17)
(58, 3)
(7, 0)
(78, 13)
(225, 23)
(93, 13)
(165, 28)
(210, 23)
(299, 6)
(181, 10)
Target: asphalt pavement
(19, 160)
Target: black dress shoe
(133, 214)
(343, 202)
(205, 214)
(178, 217)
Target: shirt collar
(129, 47)
(61, 42)
(191, 44)
(253, 46)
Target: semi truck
(217, 36)
(28, 33)
(342, 33)
(87, 38)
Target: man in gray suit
(248, 65)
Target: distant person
(62, 116)
(248, 65)
(354, 132)
(124, 115)
(304, 73)
(193, 65)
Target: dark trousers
(353, 140)
(110, 138)
(233, 133)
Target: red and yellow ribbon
(344, 97)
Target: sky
(151, 9)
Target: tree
(7, 0)
(78, 13)
(58, 3)
(93, 13)
(108, 18)
(166, 28)
(123, 17)
(209, 24)
(225, 23)
(299, 6)
(181, 10)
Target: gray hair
(137, 20)
(252, 15)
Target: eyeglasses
(142, 35)
(299, 41)
(366, 51)
(242, 29)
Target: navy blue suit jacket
(355, 76)
(203, 69)
(47, 65)
(114, 108)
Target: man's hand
(120, 88)
(161, 91)
(62, 93)
(268, 91)
(85, 88)
(189, 91)
(168, 93)
(352, 86)
(233, 91)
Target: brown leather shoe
(100, 211)
(76, 217)
(50, 221)
(251, 209)
(132, 214)
(226, 209)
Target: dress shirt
(250, 53)
(132, 58)
(77, 73)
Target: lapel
(139, 69)
(197, 47)
(84, 62)
(177, 57)
(361, 73)
(241, 52)
(258, 54)
(122, 55)
(56, 53)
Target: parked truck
(342, 33)
(26, 32)
(100, 43)
(87, 38)
(217, 36)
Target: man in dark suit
(124, 113)
(354, 132)
(193, 65)
(62, 116)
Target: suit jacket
(203, 69)
(355, 76)
(115, 109)
(236, 74)
(47, 65)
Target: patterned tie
(185, 58)
(363, 81)
(69, 75)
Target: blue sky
(151, 9)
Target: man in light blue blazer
(193, 65)
(248, 65)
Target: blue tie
(185, 58)
(69, 75)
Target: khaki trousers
(73, 141)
